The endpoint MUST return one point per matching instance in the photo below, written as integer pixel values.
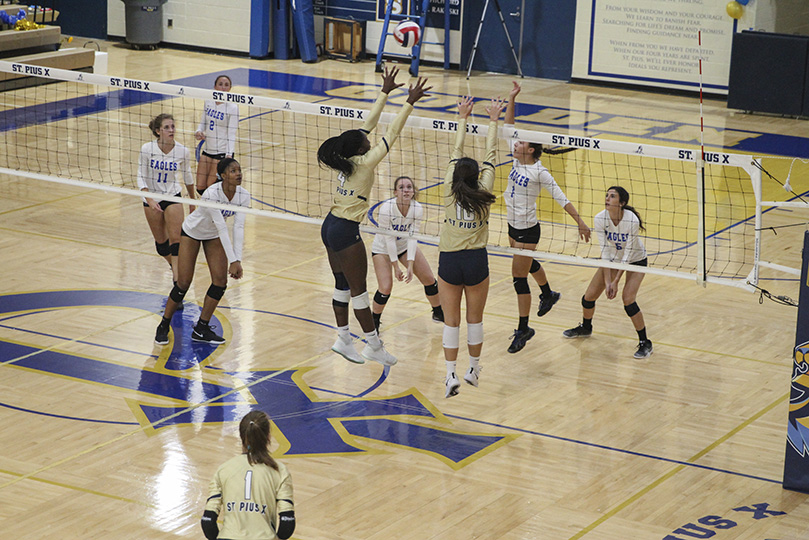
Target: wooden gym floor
(107, 436)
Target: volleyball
(407, 33)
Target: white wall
(782, 16)
(214, 24)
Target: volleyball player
(618, 228)
(351, 155)
(463, 265)
(161, 163)
(206, 227)
(525, 181)
(251, 492)
(218, 129)
(402, 213)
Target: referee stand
(421, 19)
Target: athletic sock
(373, 339)
(523, 324)
(344, 333)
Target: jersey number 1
(248, 485)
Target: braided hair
(335, 151)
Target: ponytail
(335, 151)
(465, 189)
(254, 430)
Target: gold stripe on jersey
(351, 196)
(462, 230)
(248, 498)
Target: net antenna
(508, 36)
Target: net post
(701, 251)
(755, 178)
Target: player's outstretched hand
(418, 91)
(495, 108)
(389, 79)
(514, 90)
(465, 106)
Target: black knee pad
(177, 294)
(216, 292)
(632, 309)
(535, 266)
(337, 303)
(431, 290)
(381, 299)
(521, 285)
(163, 249)
(587, 304)
(175, 249)
(340, 282)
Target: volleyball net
(703, 220)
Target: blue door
(547, 48)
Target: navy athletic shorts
(164, 204)
(525, 236)
(338, 233)
(466, 267)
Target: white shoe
(452, 384)
(379, 355)
(347, 351)
(472, 376)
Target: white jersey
(218, 124)
(391, 218)
(619, 243)
(524, 184)
(209, 223)
(158, 172)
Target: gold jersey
(461, 229)
(351, 196)
(248, 498)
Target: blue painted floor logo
(306, 424)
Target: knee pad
(177, 294)
(451, 337)
(535, 266)
(163, 249)
(175, 249)
(340, 298)
(474, 333)
(521, 285)
(381, 299)
(361, 301)
(431, 290)
(587, 304)
(632, 309)
(340, 282)
(216, 292)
